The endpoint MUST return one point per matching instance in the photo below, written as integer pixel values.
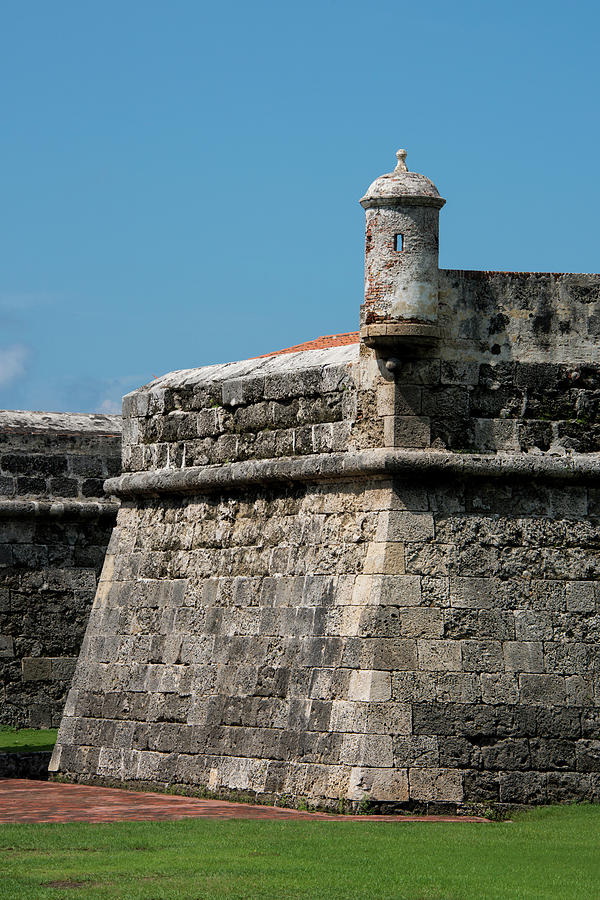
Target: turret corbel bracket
(386, 336)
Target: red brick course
(321, 343)
(44, 801)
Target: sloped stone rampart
(416, 644)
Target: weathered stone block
(400, 590)
(439, 655)
(368, 685)
(588, 756)
(406, 526)
(482, 656)
(378, 784)
(523, 787)
(552, 753)
(435, 784)
(397, 399)
(407, 431)
(506, 755)
(481, 787)
(445, 401)
(523, 656)
(581, 596)
(580, 690)
(367, 750)
(542, 690)
(384, 559)
(531, 625)
(372, 718)
(458, 752)
(571, 502)
(570, 787)
(458, 688)
(499, 688)
(433, 560)
(566, 659)
(408, 495)
(565, 723)
(472, 593)
(416, 750)
(393, 654)
(419, 371)
(36, 668)
(62, 668)
(7, 649)
(474, 624)
(459, 372)
(414, 686)
(391, 622)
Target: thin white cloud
(94, 394)
(110, 406)
(110, 400)
(23, 301)
(12, 362)
(16, 307)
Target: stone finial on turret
(401, 164)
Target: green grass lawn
(21, 740)
(548, 853)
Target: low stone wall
(55, 524)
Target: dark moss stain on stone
(498, 323)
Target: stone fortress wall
(55, 523)
(367, 572)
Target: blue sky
(179, 180)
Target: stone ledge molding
(78, 509)
(405, 200)
(361, 464)
(25, 422)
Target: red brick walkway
(44, 801)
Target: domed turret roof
(402, 185)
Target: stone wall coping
(500, 274)
(23, 421)
(58, 509)
(262, 366)
(377, 463)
